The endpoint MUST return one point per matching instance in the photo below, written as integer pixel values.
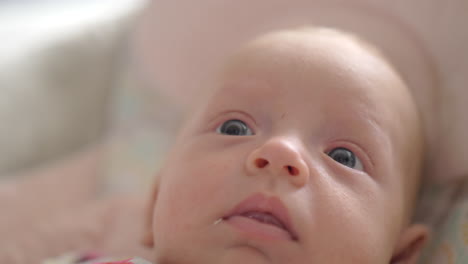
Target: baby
(308, 149)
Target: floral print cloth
(93, 258)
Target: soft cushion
(57, 63)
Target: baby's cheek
(192, 184)
(351, 223)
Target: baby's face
(299, 155)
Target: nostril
(292, 170)
(261, 163)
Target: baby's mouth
(264, 224)
(265, 218)
(262, 216)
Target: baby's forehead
(302, 72)
(309, 42)
(312, 60)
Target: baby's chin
(234, 256)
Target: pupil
(234, 127)
(233, 130)
(344, 157)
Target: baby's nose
(279, 157)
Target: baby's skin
(307, 149)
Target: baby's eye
(234, 127)
(346, 157)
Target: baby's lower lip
(254, 228)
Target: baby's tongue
(264, 218)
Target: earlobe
(148, 240)
(410, 245)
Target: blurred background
(64, 78)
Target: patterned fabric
(93, 258)
(125, 261)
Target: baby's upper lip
(263, 204)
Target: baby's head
(308, 149)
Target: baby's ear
(148, 229)
(410, 245)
